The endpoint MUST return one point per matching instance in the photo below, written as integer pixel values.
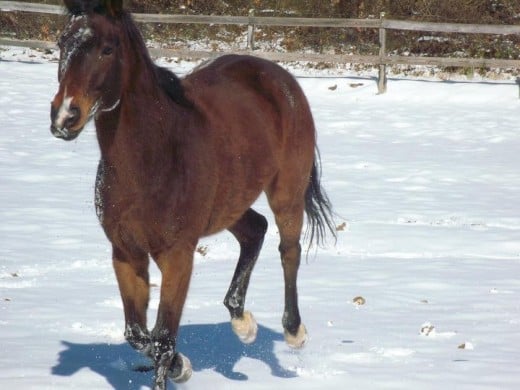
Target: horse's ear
(113, 7)
(75, 7)
(109, 7)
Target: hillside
(350, 41)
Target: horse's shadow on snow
(208, 346)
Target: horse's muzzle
(64, 134)
(63, 120)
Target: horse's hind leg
(249, 231)
(132, 276)
(289, 219)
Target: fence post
(381, 82)
(251, 31)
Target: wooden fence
(251, 21)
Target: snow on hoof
(245, 328)
(181, 369)
(298, 340)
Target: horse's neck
(138, 137)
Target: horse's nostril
(73, 117)
(74, 111)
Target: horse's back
(253, 98)
(245, 69)
(243, 80)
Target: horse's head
(89, 70)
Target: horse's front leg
(176, 267)
(131, 268)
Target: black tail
(318, 209)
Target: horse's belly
(230, 206)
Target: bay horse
(186, 158)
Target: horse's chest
(134, 227)
(129, 221)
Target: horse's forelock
(75, 34)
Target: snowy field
(426, 179)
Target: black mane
(166, 79)
(171, 84)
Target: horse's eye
(107, 50)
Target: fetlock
(139, 338)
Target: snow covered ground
(426, 179)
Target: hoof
(245, 328)
(181, 369)
(298, 340)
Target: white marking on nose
(63, 112)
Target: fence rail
(382, 24)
